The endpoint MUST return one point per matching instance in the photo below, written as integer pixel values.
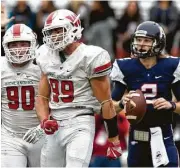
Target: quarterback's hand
(114, 150)
(33, 135)
(128, 98)
(49, 126)
(162, 103)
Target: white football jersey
(18, 90)
(70, 80)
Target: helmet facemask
(21, 54)
(142, 53)
(60, 40)
(148, 30)
(19, 43)
(61, 28)
(55, 41)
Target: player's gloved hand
(114, 150)
(49, 126)
(33, 135)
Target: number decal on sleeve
(24, 95)
(149, 91)
(67, 91)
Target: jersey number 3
(23, 95)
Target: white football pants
(71, 145)
(17, 153)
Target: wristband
(121, 105)
(173, 105)
(111, 127)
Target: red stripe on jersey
(16, 30)
(102, 68)
(49, 19)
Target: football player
(150, 141)
(73, 85)
(19, 82)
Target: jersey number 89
(67, 90)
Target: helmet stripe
(72, 18)
(49, 19)
(16, 30)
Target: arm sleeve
(99, 65)
(118, 91)
(177, 73)
(176, 90)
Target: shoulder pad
(93, 51)
(42, 50)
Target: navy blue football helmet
(153, 31)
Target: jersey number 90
(21, 97)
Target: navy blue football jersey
(155, 82)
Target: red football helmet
(70, 26)
(19, 32)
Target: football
(136, 114)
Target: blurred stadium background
(108, 24)
(112, 21)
